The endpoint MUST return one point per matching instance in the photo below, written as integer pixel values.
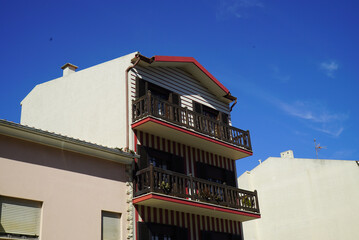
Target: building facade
(56, 187)
(304, 198)
(174, 114)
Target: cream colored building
(56, 187)
(304, 199)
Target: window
(155, 231)
(111, 226)
(210, 112)
(215, 174)
(159, 159)
(19, 218)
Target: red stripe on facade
(136, 220)
(194, 229)
(189, 226)
(199, 226)
(189, 159)
(194, 161)
(183, 220)
(166, 216)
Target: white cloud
(236, 8)
(316, 116)
(329, 68)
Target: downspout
(127, 108)
(235, 102)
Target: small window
(111, 226)
(19, 218)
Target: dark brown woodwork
(157, 180)
(150, 105)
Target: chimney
(287, 154)
(68, 69)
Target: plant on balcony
(205, 194)
(246, 201)
(165, 186)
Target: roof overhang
(192, 66)
(62, 142)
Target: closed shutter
(140, 87)
(225, 118)
(230, 178)
(143, 152)
(197, 107)
(177, 164)
(175, 99)
(111, 226)
(19, 216)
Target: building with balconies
(174, 114)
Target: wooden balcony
(166, 189)
(217, 136)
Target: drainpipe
(235, 102)
(127, 108)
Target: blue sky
(292, 64)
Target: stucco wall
(88, 104)
(304, 199)
(74, 188)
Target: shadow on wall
(38, 154)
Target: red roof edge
(190, 60)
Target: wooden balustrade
(150, 105)
(162, 181)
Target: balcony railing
(157, 180)
(150, 105)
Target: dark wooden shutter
(140, 87)
(143, 152)
(230, 178)
(200, 170)
(177, 164)
(175, 99)
(224, 118)
(143, 231)
(197, 107)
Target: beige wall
(74, 188)
(304, 199)
(88, 104)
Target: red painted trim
(194, 61)
(150, 119)
(195, 204)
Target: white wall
(304, 199)
(88, 105)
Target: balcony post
(151, 178)
(256, 196)
(149, 109)
(249, 140)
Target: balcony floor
(183, 205)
